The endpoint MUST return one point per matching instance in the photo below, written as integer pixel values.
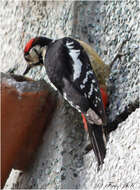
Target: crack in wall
(111, 126)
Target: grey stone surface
(104, 25)
(60, 156)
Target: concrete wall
(105, 26)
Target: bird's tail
(98, 141)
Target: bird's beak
(30, 66)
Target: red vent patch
(29, 45)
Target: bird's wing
(83, 78)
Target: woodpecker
(69, 69)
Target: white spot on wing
(69, 44)
(86, 78)
(82, 86)
(98, 99)
(91, 91)
(77, 66)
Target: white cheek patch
(38, 48)
(33, 55)
(77, 66)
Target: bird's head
(34, 52)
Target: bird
(69, 69)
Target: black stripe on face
(36, 52)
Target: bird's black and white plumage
(69, 69)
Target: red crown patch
(29, 45)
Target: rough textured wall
(23, 20)
(105, 25)
(121, 169)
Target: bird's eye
(26, 53)
(27, 57)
